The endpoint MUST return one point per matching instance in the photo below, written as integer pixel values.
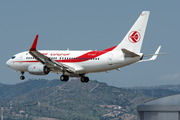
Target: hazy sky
(90, 25)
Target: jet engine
(38, 69)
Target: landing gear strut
(64, 78)
(22, 76)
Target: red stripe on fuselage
(85, 57)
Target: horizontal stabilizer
(128, 53)
(156, 54)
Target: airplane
(79, 63)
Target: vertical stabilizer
(134, 38)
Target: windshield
(13, 57)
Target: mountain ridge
(53, 99)
(10, 91)
(74, 100)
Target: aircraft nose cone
(8, 63)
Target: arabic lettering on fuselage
(59, 54)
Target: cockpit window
(13, 57)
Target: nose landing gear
(22, 76)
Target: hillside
(72, 100)
(1, 84)
(169, 87)
(156, 91)
(10, 91)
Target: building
(165, 108)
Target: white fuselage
(84, 61)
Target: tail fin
(134, 38)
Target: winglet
(33, 47)
(154, 56)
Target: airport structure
(2, 112)
(165, 108)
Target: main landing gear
(66, 78)
(84, 79)
(22, 76)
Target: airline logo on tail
(134, 36)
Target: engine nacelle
(38, 69)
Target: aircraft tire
(22, 77)
(64, 78)
(84, 79)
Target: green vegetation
(156, 93)
(73, 100)
(10, 91)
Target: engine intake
(38, 69)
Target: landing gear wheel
(64, 78)
(87, 79)
(84, 79)
(22, 77)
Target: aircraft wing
(47, 61)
